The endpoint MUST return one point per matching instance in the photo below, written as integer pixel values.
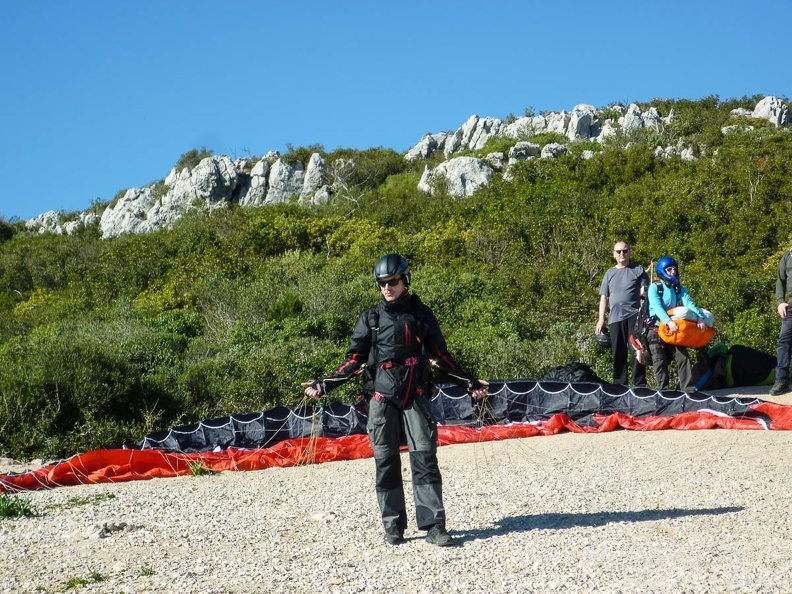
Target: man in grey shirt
(621, 291)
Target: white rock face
(128, 215)
(772, 109)
(212, 181)
(554, 150)
(632, 118)
(735, 128)
(496, 160)
(285, 180)
(524, 128)
(742, 112)
(427, 146)
(580, 122)
(473, 134)
(45, 223)
(50, 222)
(256, 191)
(463, 175)
(607, 130)
(314, 178)
(558, 122)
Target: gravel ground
(663, 511)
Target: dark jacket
(782, 279)
(406, 336)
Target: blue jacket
(659, 305)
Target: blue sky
(103, 96)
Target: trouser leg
(659, 353)
(421, 431)
(384, 429)
(619, 351)
(620, 347)
(684, 369)
(638, 369)
(783, 350)
(638, 372)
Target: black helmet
(604, 339)
(392, 265)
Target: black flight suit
(406, 336)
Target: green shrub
(544, 138)
(104, 341)
(754, 328)
(15, 506)
(191, 158)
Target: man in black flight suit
(396, 339)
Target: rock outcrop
(461, 176)
(214, 183)
(217, 181)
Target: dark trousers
(385, 430)
(620, 347)
(784, 345)
(662, 354)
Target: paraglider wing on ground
(336, 431)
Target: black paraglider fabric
(335, 431)
(509, 401)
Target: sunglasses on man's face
(391, 283)
(624, 251)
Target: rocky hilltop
(218, 181)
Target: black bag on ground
(572, 372)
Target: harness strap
(408, 362)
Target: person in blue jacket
(665, 294)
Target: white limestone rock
(558, 122)
(554, 150)
(313, 179)
(255, 191)
(632, 118)
(581, 120)
(44, 223)
(741, 112)
(212, 181)
(285, 180)
(607, 130)
(473, 134)
(129, 214)
(735, 128)
(687, 155)
(428, 145)
(462, 176)
(496, 160)
(773, 110)
(525, 127)
(522, 151)
(652, 119)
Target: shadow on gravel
(563, 521)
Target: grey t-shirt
(622, 287)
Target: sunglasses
(671, 269)
(391, 283)
(624, 251)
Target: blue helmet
(392, 265)
(660, 269)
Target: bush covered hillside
(105, 340)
